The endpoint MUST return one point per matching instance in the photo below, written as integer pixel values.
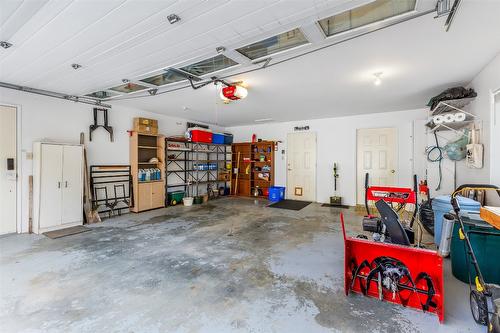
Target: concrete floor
(232, 265)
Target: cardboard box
(145, 125)
(224, 176)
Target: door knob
(58, 184)
(393, 171)
(66, 184)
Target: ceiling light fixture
(5, 44)
(220, 49)
(76, 66)
(153, 91)
(125, 80)
(173, 18)
(378, 79)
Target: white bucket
(188, 201)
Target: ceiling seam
(40, 29)
(72, 59)
(27, 68)
(11, 15)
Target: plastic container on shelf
(441, 205)
(276, 193)
(228, 138)
(218, 138)
(202, 135)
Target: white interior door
(51, 186)
(301, 166)
(376, 155)
(72, 184)
(8, 173)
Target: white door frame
(19, 167)
(396, 156)
(493, 123)
(315, 163)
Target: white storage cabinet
(57, 186)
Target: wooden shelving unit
(147, 194)
(253, 160)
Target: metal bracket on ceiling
(264, 62)
(451, 15)
(442, 8)
(213, 80)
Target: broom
(89, 213)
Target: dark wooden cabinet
(252, 168)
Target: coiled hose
(432, 150)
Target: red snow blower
(394, 272)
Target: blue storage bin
(442, 205)
(276, 193)
(218, 138)
(228, 138)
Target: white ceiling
(116, 39)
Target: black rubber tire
(479, 307)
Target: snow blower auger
(412, 277)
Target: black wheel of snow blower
(479, 307)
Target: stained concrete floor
(232, 265)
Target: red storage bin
(200, 135)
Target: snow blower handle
(366, 194)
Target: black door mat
(290, 204)
(334, 206)
(66, 232)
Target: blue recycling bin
(442, 205)
(276, 193)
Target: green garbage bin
(485, 241)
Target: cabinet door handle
(66, 184)
(58, 184)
